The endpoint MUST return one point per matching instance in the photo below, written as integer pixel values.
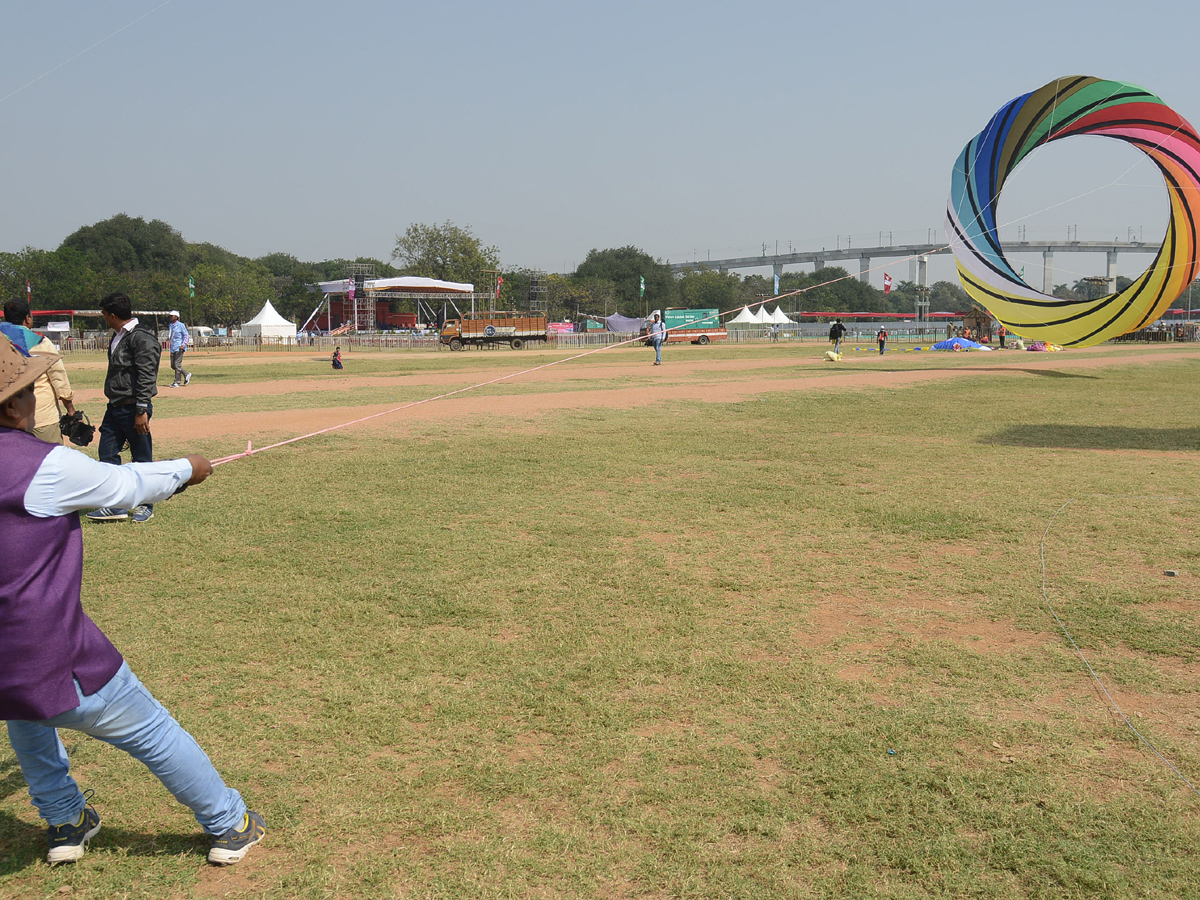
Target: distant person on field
(1002, 334)
(882, 338)
(54, 384)
(60, 671)
(131, 383)
(658, 333)
(179, 339)
(337, 357)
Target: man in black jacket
(130, 385)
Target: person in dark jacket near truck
(130, 386)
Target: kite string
(83, 51)
(1112, 702)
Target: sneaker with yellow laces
(234, 844)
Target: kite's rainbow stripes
(1063, 108)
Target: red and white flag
(887, 283)
(350, 290)
(28, 291)
(499, 281)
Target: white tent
(762, 317)
(269, 325)
(745, 317)
(779, 317)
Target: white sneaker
(187, 379)
(176, 384)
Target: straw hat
(17, 371)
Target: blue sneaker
(234, 844)
(108, 514)
(142, 514)
(69, 842)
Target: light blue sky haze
(324, 129)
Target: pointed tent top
(744, 317)
(779, 317)
(268, 316)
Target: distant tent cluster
(761, 317)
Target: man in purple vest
(60, 671)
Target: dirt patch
(691, 379)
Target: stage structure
(371, 306)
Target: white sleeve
(68, 481)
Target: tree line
(159, 269)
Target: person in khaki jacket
(18, 327)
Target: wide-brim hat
(17, 371)
(174, 313)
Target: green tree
(130, 244)
(706, 289)
(832, 289)
(444, 251)
(572, 298)
(60, 279)
(230, 296)
(625, 267)
(946, 296)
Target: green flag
(191, 287)
(642, 289)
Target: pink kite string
(252, 451)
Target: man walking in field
(130, 385)
(178, 340)
(658, 333)
(60, 671)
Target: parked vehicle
(511, 327)
(694, 326)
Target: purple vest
(46, 639)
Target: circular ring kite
(1064, 108)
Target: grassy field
(789, 647)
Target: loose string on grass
(1112, 702)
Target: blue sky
(324, 129)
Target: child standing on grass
(337, 357)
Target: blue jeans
(657, 351)
(123, 713)
(117, 430)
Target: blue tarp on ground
(963, 343)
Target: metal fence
(1158, 334)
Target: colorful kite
(1063, 108)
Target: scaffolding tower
(539, 293)
(360, 314)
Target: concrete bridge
(917, 254)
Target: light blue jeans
(658, 350)
(123, 713)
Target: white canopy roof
(761, 316)
(409, 283)
(745, 317)
(779, 317)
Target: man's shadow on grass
(1096, 437)
(23, 844)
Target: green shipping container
(692, 318)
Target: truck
(695, 326)
(483, 328)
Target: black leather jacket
(133, 369)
